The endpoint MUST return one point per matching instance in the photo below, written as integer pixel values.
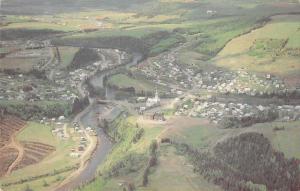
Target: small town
(149, 95)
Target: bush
(45, 183)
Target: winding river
(89, 118)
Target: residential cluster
(28, 88)
(165, 69)
(217, 111)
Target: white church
(155, 101)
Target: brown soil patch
(9, 149)
(7, 157)
(34, 152)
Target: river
(89, 118)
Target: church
(155, 101)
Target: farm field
(9, 126)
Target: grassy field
(67, 54)
(166, 44)
(140, 85)
(39, 26)
(174, 173)
(19, 64)
(285, 140)
(59, 159)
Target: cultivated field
(34, 152)
(9, 152)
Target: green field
(174, 173)
(285, 140)
(140, 85)
(67, 54)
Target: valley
(150, 96)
